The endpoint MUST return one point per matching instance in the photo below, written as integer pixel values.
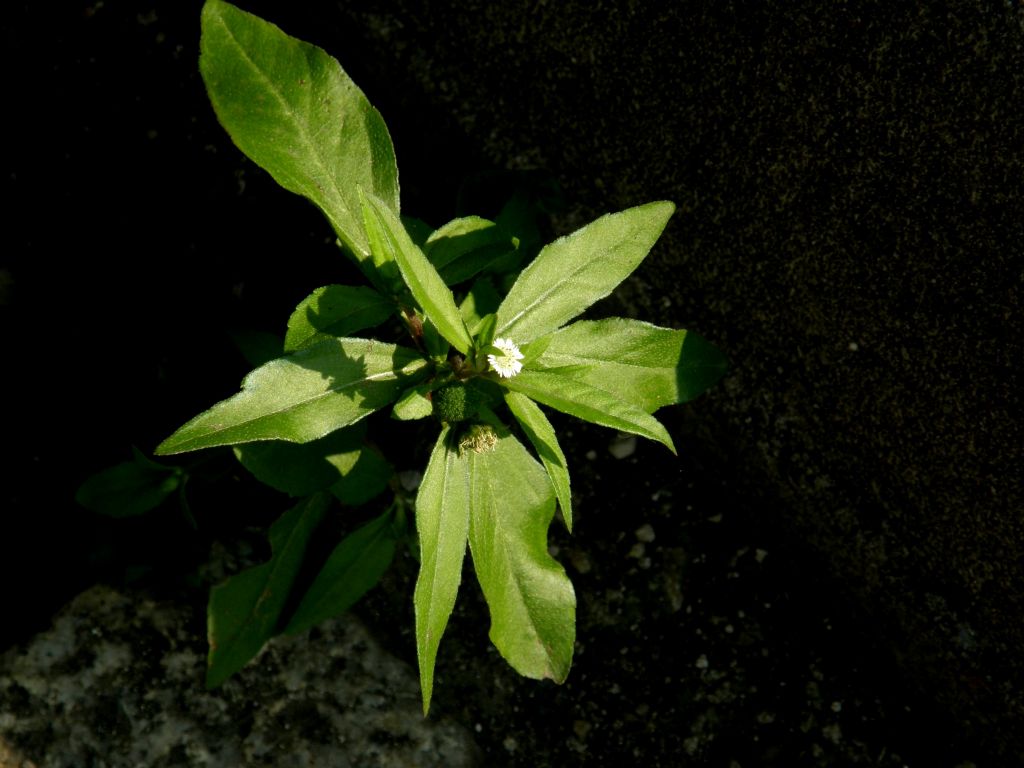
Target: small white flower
(507, 363)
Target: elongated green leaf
(465, 246)
(637, 362)
(389, 237)
(340, 461)
(291, 108)
(481, 301)
(542, 435)
(131, 488)
(305, 395)
(573, 272)
(531, 600)
(243, 611)
(355, 565)
(442, 522)
(335, 310)
(565, 393)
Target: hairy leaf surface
(542, 435)
(531, 600)
(305, 395)
(573, 272)
(637, 362)
(390, 238)
(291, 108)
(442, 522)
(563, 392)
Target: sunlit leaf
(390, 238)
(531, 600)
(291, 108)
(305, 395)
(542, 436)
(637, 362)
(573, 272)
(565, 393)
(442, 522)
(335, 310)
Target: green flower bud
(455, 403)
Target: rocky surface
(118, 681)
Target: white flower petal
(506, 364)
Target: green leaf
(637, 362)
(335, 310)
(542, 435)
(484, 332)
(258, 347)
(243, 611)
(463, 247)
(442, 522)
(565, 393)
(436, 346)
(531, 600)
(390, 238)
(305, 395)
(303, 469)
(414, 403)
(291, 108)
(481, 301)
(355, 565)
(418, 229)
(573, 272)
(129, 489)
(365, 479)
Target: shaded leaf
(353, 568)
(482, 300)
(573, 272)
(305, 395)
(243, 611)
(465, 246)
(130, 488)
(339, 460)
(414, 403)
(335, 310)
(258, 347)
(365, 479)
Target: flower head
(507, 363)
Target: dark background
(849, 232)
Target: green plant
(488, 342)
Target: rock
(118, 681)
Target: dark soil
(139, 239)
